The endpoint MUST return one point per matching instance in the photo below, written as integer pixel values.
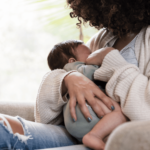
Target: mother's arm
(126, 84)
(49, 99)
(49, 102)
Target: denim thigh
(36, 136)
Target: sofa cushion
(14, 108)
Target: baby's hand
(96, 58)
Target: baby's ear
(71, 60)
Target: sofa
(128, 136)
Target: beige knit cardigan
(126, 83)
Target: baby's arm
(97, 56)
(94, 138)
(87, 70)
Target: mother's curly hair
(122, 16)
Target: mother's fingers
(104, 98)
(93, 102)
(84, 108)
(72, 105)
(105, 109)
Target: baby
(72, 55)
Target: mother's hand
(81, 89)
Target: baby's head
(67, 52)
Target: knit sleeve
(126, 84)
(49, 101)
(99, 40)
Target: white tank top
(128, 52)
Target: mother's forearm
(63, 88)
(49, 96)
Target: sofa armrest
(22, 109)
(130, 136)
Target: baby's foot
(92, 141)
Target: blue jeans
(36, 136)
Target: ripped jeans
(36, 136)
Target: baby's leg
(94, 139)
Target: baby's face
(82, 52)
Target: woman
(127, 84)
